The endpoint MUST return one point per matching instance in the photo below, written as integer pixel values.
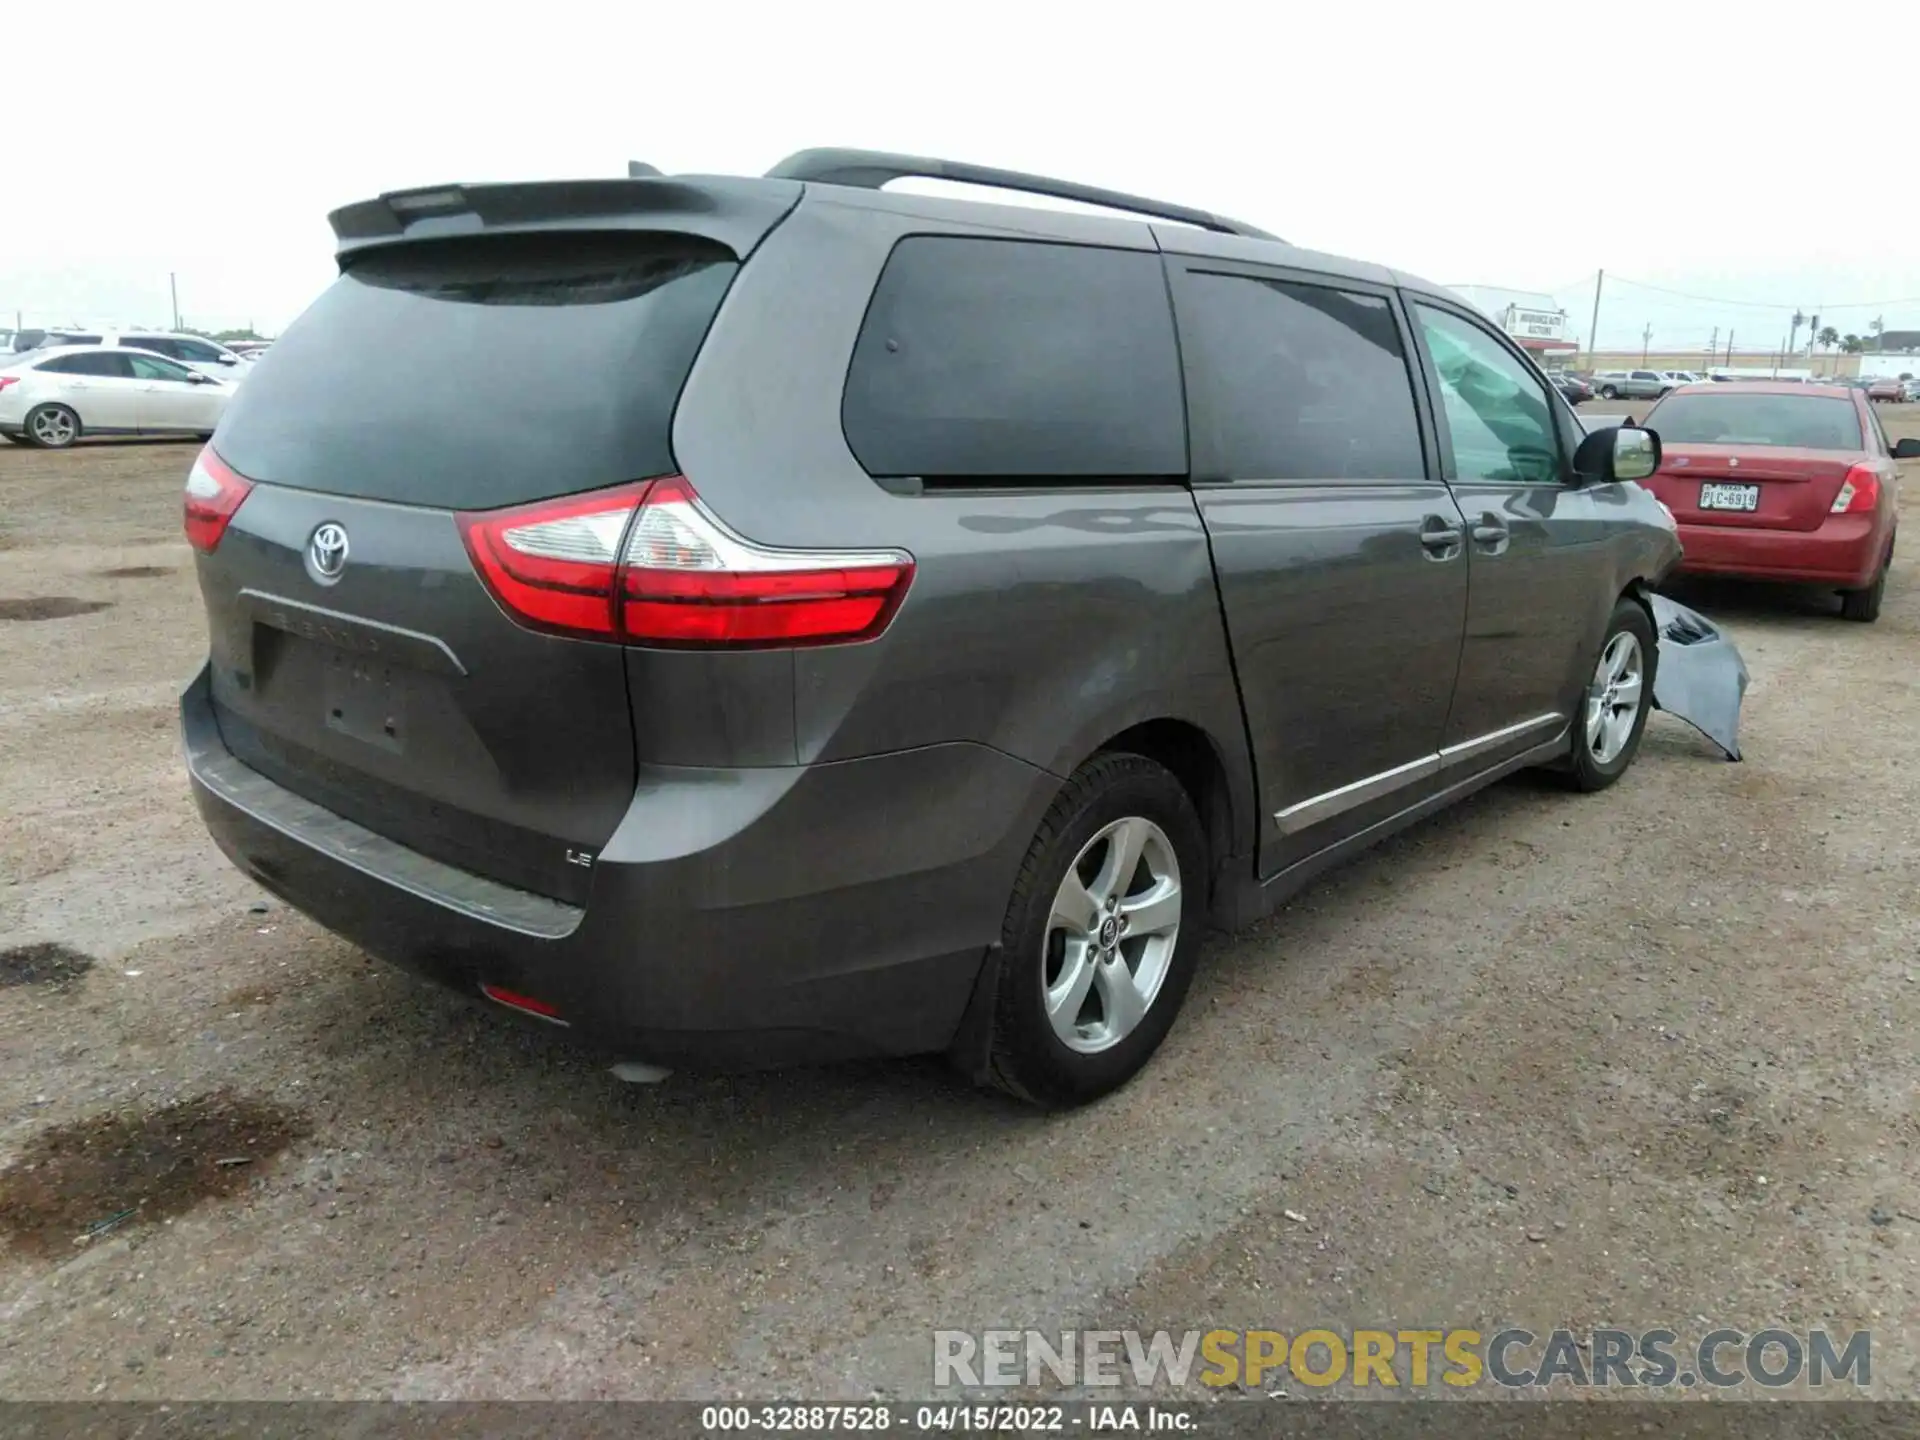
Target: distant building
(1535, 322)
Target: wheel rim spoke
(1124, 847)
(1074, 909)
(1596, 721)
(1122, 1005)
(1154, 911)
(1067, 996)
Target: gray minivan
(759, 620)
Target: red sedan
(1777, 481)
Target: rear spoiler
(733, 212)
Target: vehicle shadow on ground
(1751, 600)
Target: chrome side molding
(1316, 808)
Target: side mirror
(1908, 449)
(194, 377)
(1620, 452)
(226, 360)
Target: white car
(196, 352)
(52, 397)
(1683, 377)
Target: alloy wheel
(53, 427)
(1111, 935)
(1613, 702)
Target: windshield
(1716, 417)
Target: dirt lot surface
(1640, 1058)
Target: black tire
(30, 430)
(1863, 606)
(1585, 771)
(1028, 1058)
(1607, 392)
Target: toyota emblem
(327, 552)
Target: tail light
(214, 493)
(650, 565)
(6, 380)
(1859, 493)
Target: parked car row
(53, 396)
(196, 352)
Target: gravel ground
(1631, 1059)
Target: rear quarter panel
(1041, 621)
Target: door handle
(1440, 537)
(1491, 534)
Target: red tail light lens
(650, 565)
(214, 494)
(1859, 493)
(553, 565)
(6, 380)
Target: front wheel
(1606, 734)
(52, 427)
(1102, 933)
(1607, 392)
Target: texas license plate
(1729, 497)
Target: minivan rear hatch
(356, 656)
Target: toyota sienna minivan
(761, 620)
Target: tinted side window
(1499, 421)
(1007, 358)
(113, 367)
(197, 350)
(159, 344)
(1298, 382)
(147, 367)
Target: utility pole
(1713, 345)
(1593, 332)
(1798, 321)
(1729, 347)
(1646, 339)
(174, 288)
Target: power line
(1766, 304)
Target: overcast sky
(1524, 145)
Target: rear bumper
(1845, 551)
(737, 920)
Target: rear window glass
(485, 371)
(1717, 417)
(1014, 360)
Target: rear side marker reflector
(650, 565)
(526, 1004)
(214, 494)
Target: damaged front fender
(1700, 677)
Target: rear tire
(1607, 392)
(51, 427)
(1863, 605)
(1094, 963)
(1613, 715)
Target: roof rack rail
(871, 169)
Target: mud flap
(1700, 677)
